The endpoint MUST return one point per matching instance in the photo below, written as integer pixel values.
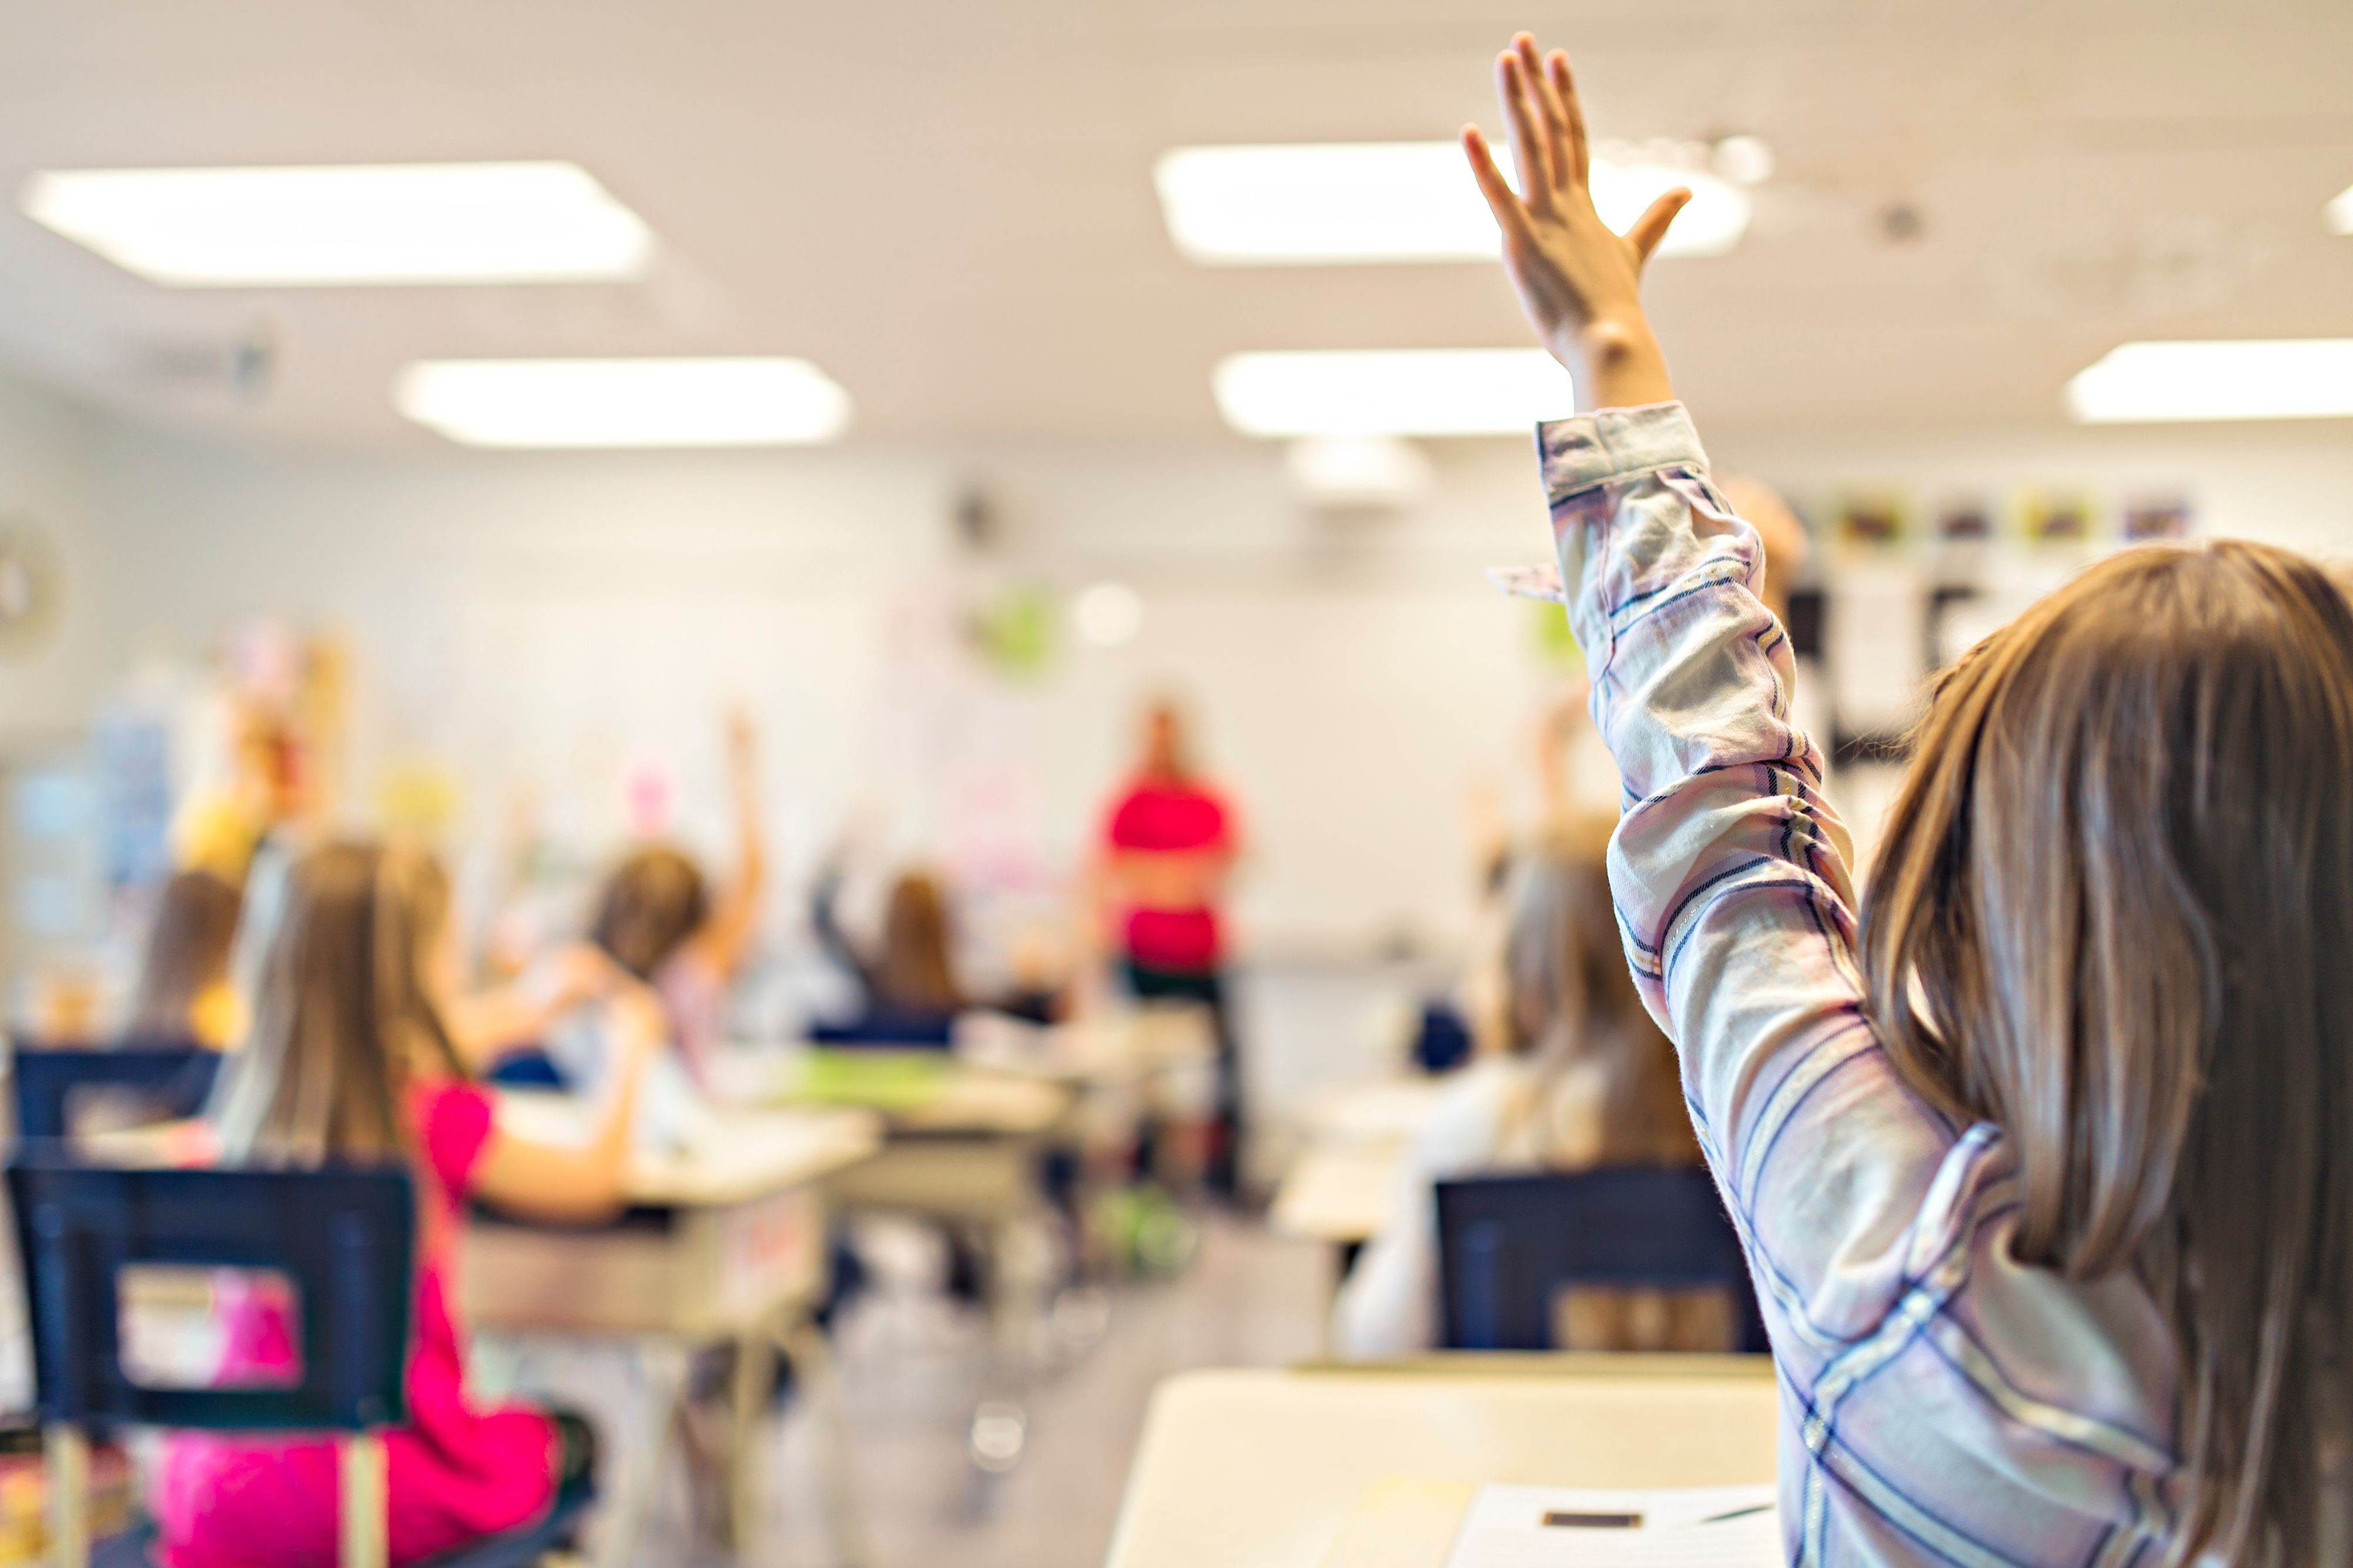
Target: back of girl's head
(188, 948)
(653, 903)
(2109, 915)
(917, 969)
(346, 1011)
(1571, 998)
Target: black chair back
(1509, 1245)
(177, 1077)
(889, 1029)
(344, 1237)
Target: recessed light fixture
(1391, 391)
(625, 402)
(2266, 378)
(1316, 203)
(2339, 212)
(308, 226)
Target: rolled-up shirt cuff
(1614, 444)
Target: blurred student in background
(1169, 845)
(1583, 1079)
(185, 994)
(659, 920)
(350, 1060)
(908, 980)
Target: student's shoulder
(453, 1119)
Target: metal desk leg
(804, 1346)
(360, 1457)
(662, 1388)
(68, 1451)
(754, 1380)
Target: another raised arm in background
(727, 931)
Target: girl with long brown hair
(1583, 1079)
(350, 1060)
(2042, 1158)
(184, 990)
(659, 919)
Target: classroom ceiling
(948, 203)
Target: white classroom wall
(559, 618)
(46, 463)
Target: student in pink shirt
(1169, 844)
(350, 1060)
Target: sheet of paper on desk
(1678, 1527)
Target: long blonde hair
(345, 1014)
(2111, 914)
(1571, 1000)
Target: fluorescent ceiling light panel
(2269, 378)
(345, 225)
(1313, 203)
(2339, 212)
(625, 402)
(1392, 392)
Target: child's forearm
(1624, 367)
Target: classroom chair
(888, 1029)
(177, 1077)
(344, 1237)
(1509, 1245)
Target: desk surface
(1098, 1050)
(745, 1154)
(1384, 1110)
(1338, 1191)
(1258, 1469)
(913, 1092)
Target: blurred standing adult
(1169, 844)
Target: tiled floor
(915, 1369)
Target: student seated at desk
(659, 920)
(185, 994)
(907, 983)
(1584, 1078)
(350, 1060)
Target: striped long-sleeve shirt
(1942, 1402)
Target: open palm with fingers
(1578, 280)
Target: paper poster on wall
(1964, 519)
(2150, 518)
(1874, 519)
(1878, 620)
(2054, 517)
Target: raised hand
(1578, 280)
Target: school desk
(1101, 1052)
(1266, 1468)
(1339, 1195)
(960, 1142)
(1339, 1187)
(1383, 1111)
(724, 1244)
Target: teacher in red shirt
(1169, 844)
